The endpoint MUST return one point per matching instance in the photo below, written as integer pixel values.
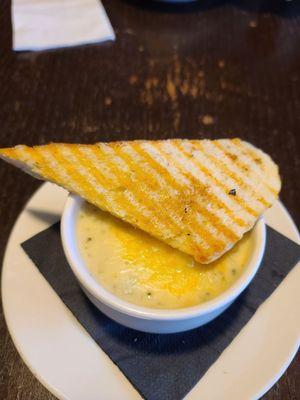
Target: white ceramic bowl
(148, 319)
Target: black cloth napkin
(161, 367)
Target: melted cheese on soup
(143, 270)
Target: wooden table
(207, 70)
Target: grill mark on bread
(220, 202)
(201, 189)
(220, 167)
(257, 161)
(153, 154)
(93, 154)
(173, 203)
(133, 152)
(193, 174)
(119, 166)
(200, 157)
(235, 149)
(46, 165)
(142, 190)
(203, 239)
(139, 209)
(100, 196)
(205, 214)
(76, 176)
(148, 188)
(240, 179)
(193, 232)
(244, 170)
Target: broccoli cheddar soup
(142, 270)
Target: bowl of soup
(145, 284)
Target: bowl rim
(68, 236)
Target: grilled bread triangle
(199, 196)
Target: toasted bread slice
(199, 196)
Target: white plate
(72, 366)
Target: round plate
(72, 366)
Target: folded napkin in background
(162, 367)
(48, 24)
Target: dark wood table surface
(207, 70)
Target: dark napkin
(162, 367)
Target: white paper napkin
(46, 24)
